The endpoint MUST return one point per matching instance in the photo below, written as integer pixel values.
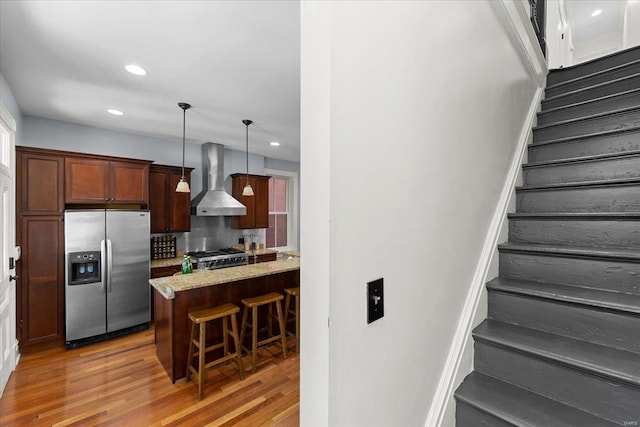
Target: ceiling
(585, 28)
(231, 60)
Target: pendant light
(183, 185)
(247, 191)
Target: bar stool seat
(292, 314)
(201, 317)
(252, 304)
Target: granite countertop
(168, 286)
(169, 262)
(291, 253)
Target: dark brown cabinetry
(257, 205)
(262, 258)
(100, 181)
(40, 234)
(170, 211)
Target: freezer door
(128, 249)
(85, 310)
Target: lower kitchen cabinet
(40, 289)
(262, 258)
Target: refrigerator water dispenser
(84, 267)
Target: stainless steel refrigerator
(107, 273)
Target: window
(282, 231)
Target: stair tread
(585, 251)
(600, 183)
(616, 364)
(595, 73)
(583, 159)
(589, 88)
(603, 216)
(623, 94)
(586, 136)
(611, 300)
(521, 407)
(588, 117)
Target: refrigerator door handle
(109, 264)
(103, 273)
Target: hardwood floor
(121, 383)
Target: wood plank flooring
(121, 383)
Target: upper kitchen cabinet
(98, 180)
(170, 211)
(40, 182)
(257, 205)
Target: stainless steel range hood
(214, 201)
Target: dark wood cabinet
(262, 258)
(170, 211)
(41, 284)
(90, 180)
(257, 205)
(165, 271)
(40, 179)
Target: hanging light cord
(184, 119)
(247, 127)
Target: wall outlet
(375, 300)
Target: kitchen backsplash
(212, 232)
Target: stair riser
(621, 198)
(561, 75)
(593, 80)
(600, 233)
(630, 83)
(591, 393)
(582, 110)
(614, 168)
(617, 143)
(586, 127)
(470, 416)
(613, 275)
(615, 329)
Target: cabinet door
(41, 279)
(261, 202)
(179, 203)
(237, 185)
(86, 180)
(158, 202)
(40, 184)
(129, 183)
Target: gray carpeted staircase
(561, 345)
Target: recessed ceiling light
(136, 69)
(275, 144)
(115, 112)
(596, 12)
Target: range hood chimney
(214, 201)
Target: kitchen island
(175, 296)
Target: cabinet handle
(16, 277)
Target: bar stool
(201, 318)
(292, 292)
(252, 304)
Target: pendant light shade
(247, 190)
(183, 185)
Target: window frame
(293, 197)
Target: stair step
(612, 87)
(607, 143)
(588, 126)
(614, 73)
(616, 365)
(570, 311)
(598, 395)
(592, 229)
(613, 102)
(612, 195)
(598, 65)
(611, 269)
(586, 168)
(485, 401)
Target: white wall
(411, 113)
(631, 30)
(595, 48)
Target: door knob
(13, 278)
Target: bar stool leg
(297, 323)
(201, 359)
(225, 340)
(190, 354)
(236, 340)
(254, 338)
(283, 333)
(243, 330)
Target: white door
(8, 344)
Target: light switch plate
(375, 300)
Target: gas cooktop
(219, 258)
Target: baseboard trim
(448, 383)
